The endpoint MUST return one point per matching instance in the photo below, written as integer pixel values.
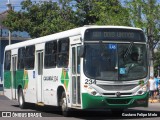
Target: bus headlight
(92, 91)
(142, 90)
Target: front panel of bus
(115, 69)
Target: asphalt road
(10, 108)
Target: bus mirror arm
(82, 51)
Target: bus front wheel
(21, 100)
(63, 103)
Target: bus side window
(30, 57)
(21, 58)
(63, 52)
(7, 63)
(78, 59)
(50, 54)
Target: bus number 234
(90, 81)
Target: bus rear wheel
(21, 100)
(63, 103)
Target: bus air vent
(117, 87)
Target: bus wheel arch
(62, 101)
(60, 90)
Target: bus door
(13, 76)
(76, 100)
(39, 66)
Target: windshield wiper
(128, 50)
(102, 47)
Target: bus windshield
(110, 61)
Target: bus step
(77, 107)
(40, 104)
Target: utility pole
(9, 7)
(150, 40)
(0, 55)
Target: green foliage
(111, 12)
(40, 19)
(83, 12)
(101, 12)
(146, 14)
(157, 60)
(43, 18)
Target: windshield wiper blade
(128, 50)
(102, 47)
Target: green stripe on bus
(7, 79)
(21, 79)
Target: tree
(39, 19)
(43, 18)
(146, 14)
(83, 12)
(111, 12)
(157, 61)
(101, 12)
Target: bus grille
(117, 87)
(114, 94)
(118, 101)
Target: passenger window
(7, 63)
(50, 54)
(63, 52)
(29, 57)
(21, 58)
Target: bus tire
(64, 106)
(21, 100)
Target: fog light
(94, 92)
(141, 101)
(140, 92)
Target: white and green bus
(90, 67)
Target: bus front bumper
(91, 102)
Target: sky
(15, 3)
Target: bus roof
(60, 35)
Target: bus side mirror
(82, 51)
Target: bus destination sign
(114, 34)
